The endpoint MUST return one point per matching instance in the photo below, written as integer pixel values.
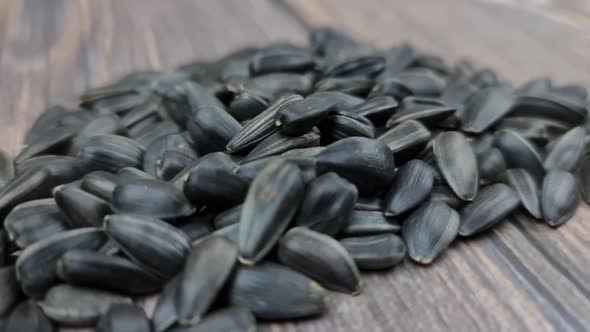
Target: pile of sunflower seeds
(248, 187)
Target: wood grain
(522, 276)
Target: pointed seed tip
(245, 261)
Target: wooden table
(520, 276)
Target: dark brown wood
(521, 276)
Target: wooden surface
(521, 276)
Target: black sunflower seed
(111, 152)
(233, 318)
(328, 203)
(300, 116)
(123, 318)
(271, 204)
(411, 185)
(527, 189)
(278, 143)
(426, 110)
(6, 168)
(212, 128)
(365, 162)
(566, 151)
(151, 243)
(375, 252)
(370, 222)
(155, 151)
(81, 208)
(457, 163)
(490, 166)
(519, 152)
(27, 316)
(257, 287)
(101, 184)
(491, 205)
(321, 258)
(429, 231)
(171, 163)
(9, 289)
(207, 268)
(341, 124)
(487, 107)
(559, 197)
(36, 266)
(281, 61)
(111, 273)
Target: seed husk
(537, 130)
(207, 268)
(527, 189)
(259, 127)
(486, 108)
(153, 198)
(77, 306)
(151, 243)
(9, 289)
(27, 316)
(228, 217)
(519, 152)
(559, 197)
(422, 82)
(492, 205)
(411, 185)
(278, 143)
(375, 252)
(584, 177)
(82, 209)
(230, 232)
(272, 291)
(123, 318)
(566, 151)
(551, 106)
(301, 116)
(425, 110)
(104, 124)
(328, 204)
(36, 266)
(369, 223)
(321, 258)
(212, 128)
(457, 163)
(111, 153)
(377, 109)
(366, 163)
(196, 230)
(100, 184)
(53, 141)
(232, 319)
(341, 124)
(165, 313)
(212, 182)
(157, 130)
(369, 204)
(110, 273)
(271, 204)
(429, 231)
(172, 163)
(6, 168)
(155, 151)
(369, 66)
(490, 166)
(406, 139)
(130, 174)
(249, 171)
(33, 221)
(358, 85)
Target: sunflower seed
(339, 125)
(411, 185)
(358, 85)
(271, 204)
(519, 152)
(328, 204)
(559, 197)
(165, 313)
(228, 217)
(231, 319)
(457, 163)
(207, 268)
(429, 231)
(321, 258)
(281, 61)
(110, 273)
(213, 183)
(71, 305)
(369, 66)
(9, 289)
(490, 206)
(100, 184)
(123, 318)
(111, 152)
(27, 316)
(212, 128)
(526, 188)
(34, 221)
(375, 252)
(425, 110)
(151, 243)
(6, 168)
(172, 163)
(366, 163)
(155, 151)
(157, 130)
(300, 116)
(256, 288)
(422, 82)
(566, 150)
(36, 266)
(406, 139)
(369, 223)
(487, 107)
(81, 208)
(153, 198)
(584, 177)
(278, 143)
(259, 127)
(490, 166)
(53, 141)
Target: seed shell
(369, 223)
(411, 185)
(526, 188)
(123, 318)
(375, 252)
(559, 197)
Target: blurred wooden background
(521, 276)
